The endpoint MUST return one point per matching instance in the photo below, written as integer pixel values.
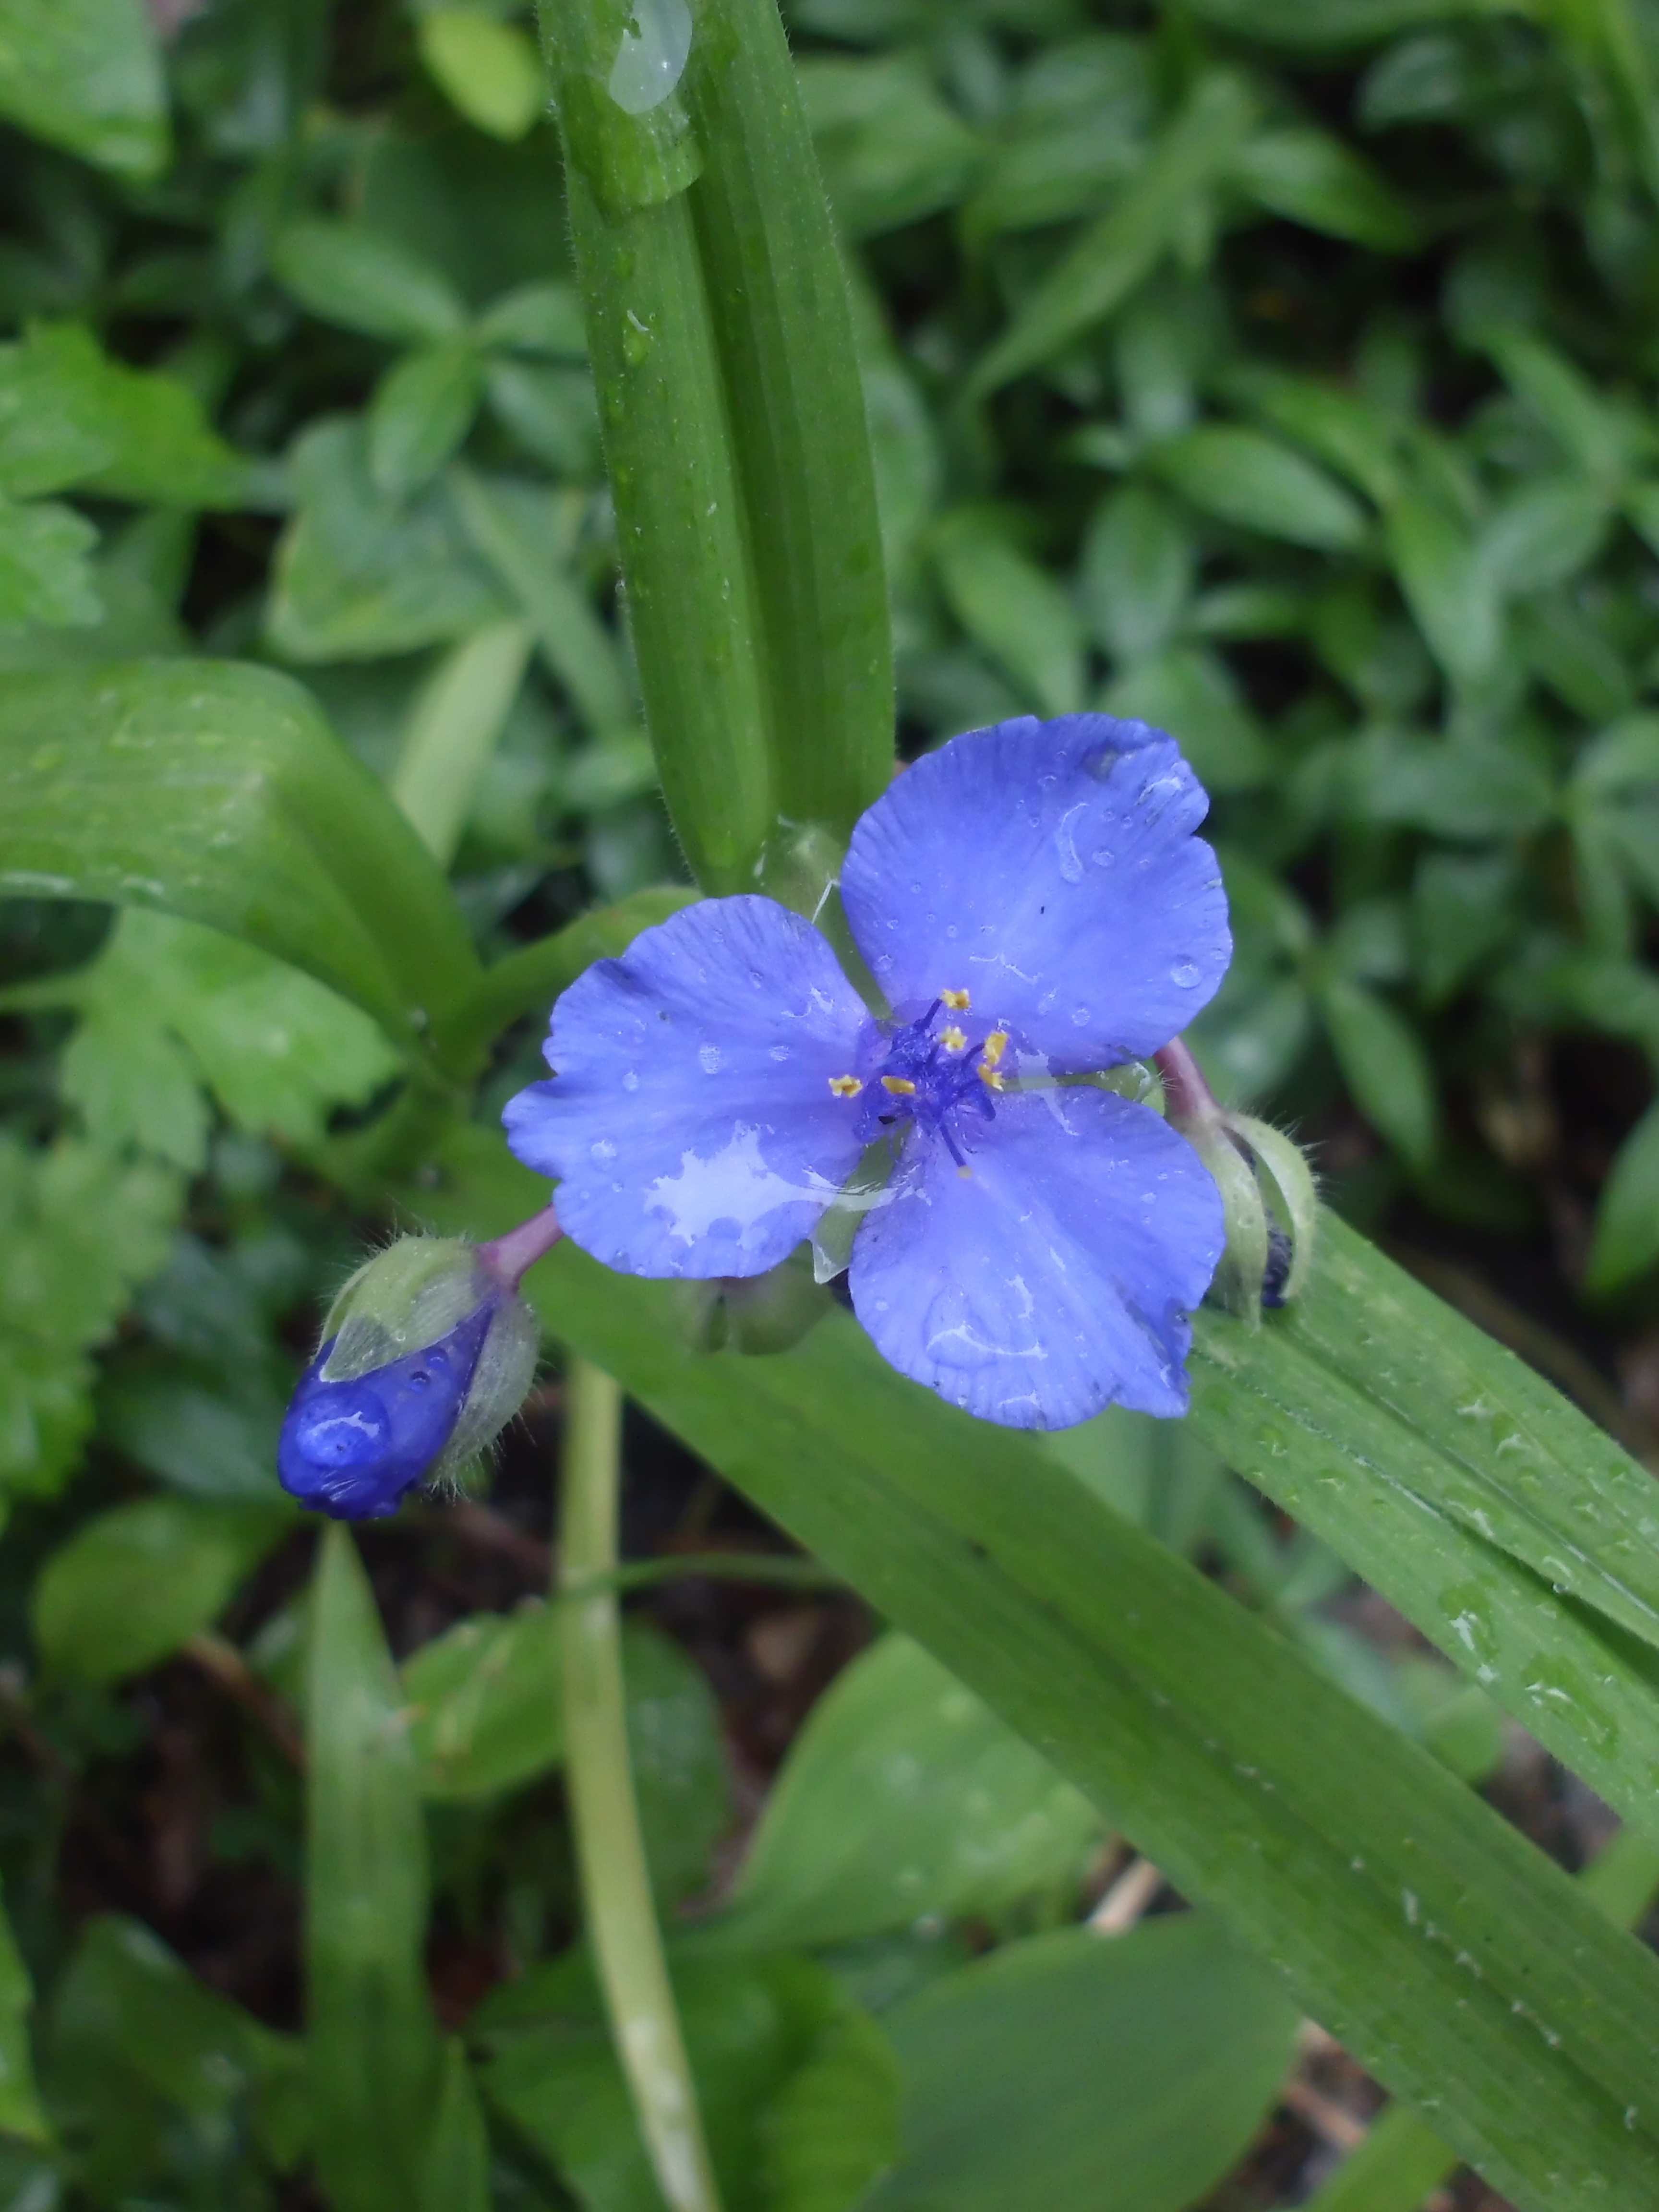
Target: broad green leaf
(549, 409)
(1384, 1064)
(1471, 787)
(170, 1008)
(1315, 180)
(537, 319)
(347, 275)
(1104, 266)
(1013, 608)
(1462, 911)
(218, 1444)
(1191, 689)
(1333, 1846)
(21, 2115)
(70, 414)
(79, 1230)
(133, 1585)
(677, 1759)
(750, 2026)
(1085, 109)
(1335, 26)
(1591, 433)
(370, 2038)
(1352, 436)
(490, 70)
(141, 2050)
(1447, 587)
(1076, 2069)
(453, 729)
(527, 535)
(421, 411)
(892, 151)
(484, 1704)
(1243, 476)
(359, 575)
(1626, 1240)
(1546, 532)
(1619, 758)
(217, 791)
(44, 576)
(904, 1797)
(86, 75)
(1137, 573)
(833, 2127)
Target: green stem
(622, 1921)
(1402, 2158)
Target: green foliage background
(1283, 375)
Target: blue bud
(427, 1354)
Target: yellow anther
(953, 1039)
(845, 1087)
(900, 1086)
(995, 1045)
(990, 1078)
(957, 1001)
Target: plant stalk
(616, 1881)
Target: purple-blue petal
(1055, 1277)
(690, 1122)
(353, 1449)
(1051, 869)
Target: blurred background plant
(1283, 375)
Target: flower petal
(1049, 868)
(690, 1121)
(1055, 1276)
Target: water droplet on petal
(780, 1052)
(1079, 1016)
(631, 1081)
(1184, 974)
(708, 1059)
(602, 1149)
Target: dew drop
(631, 1081)
(1184, 974)
(708, 1059)
(602, 1149)
(779, 1052)
(1079, 1016)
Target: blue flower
(1033, 903)
(426, 1353)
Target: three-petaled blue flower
(1034, 904)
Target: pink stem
(512, 1257)
(1187, 1095)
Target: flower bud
(427, 1354)
(1267, 1193)
(754, 1313)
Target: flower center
(930, 1074)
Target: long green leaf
(777, 302)
(370, 2041)
(669, 454)
(1450, 1957)
(217, 791)
(1510, 1458)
